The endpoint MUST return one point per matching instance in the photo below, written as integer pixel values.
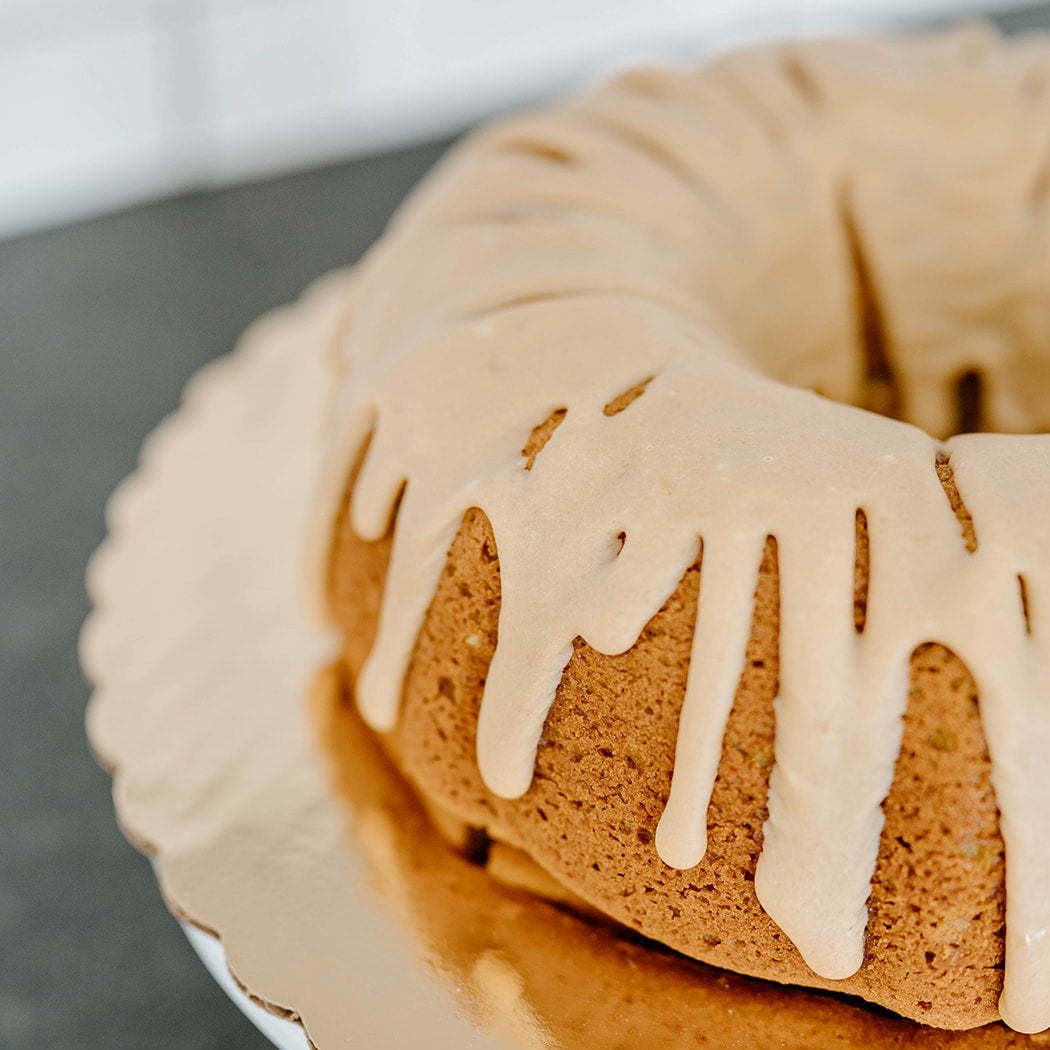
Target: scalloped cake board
(201, 656)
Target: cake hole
(861, 571)
(627, 398)
(1023, 586)
(540, 435)
(881, 391)
(969, 403)
(936, 379)
(477, 847)
(541, 150)
(489, 555)
(946, 476)
(943, 738)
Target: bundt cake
(650, 547)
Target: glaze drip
(687, 244)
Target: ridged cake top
(660, 276)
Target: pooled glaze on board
(707, 237)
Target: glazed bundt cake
(651, 551)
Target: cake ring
(658, 560)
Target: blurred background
(170, 169)
(115, 101)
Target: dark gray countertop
(102, 323)
(100, 326)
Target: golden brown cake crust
(934, 940)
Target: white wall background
(107, 102)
